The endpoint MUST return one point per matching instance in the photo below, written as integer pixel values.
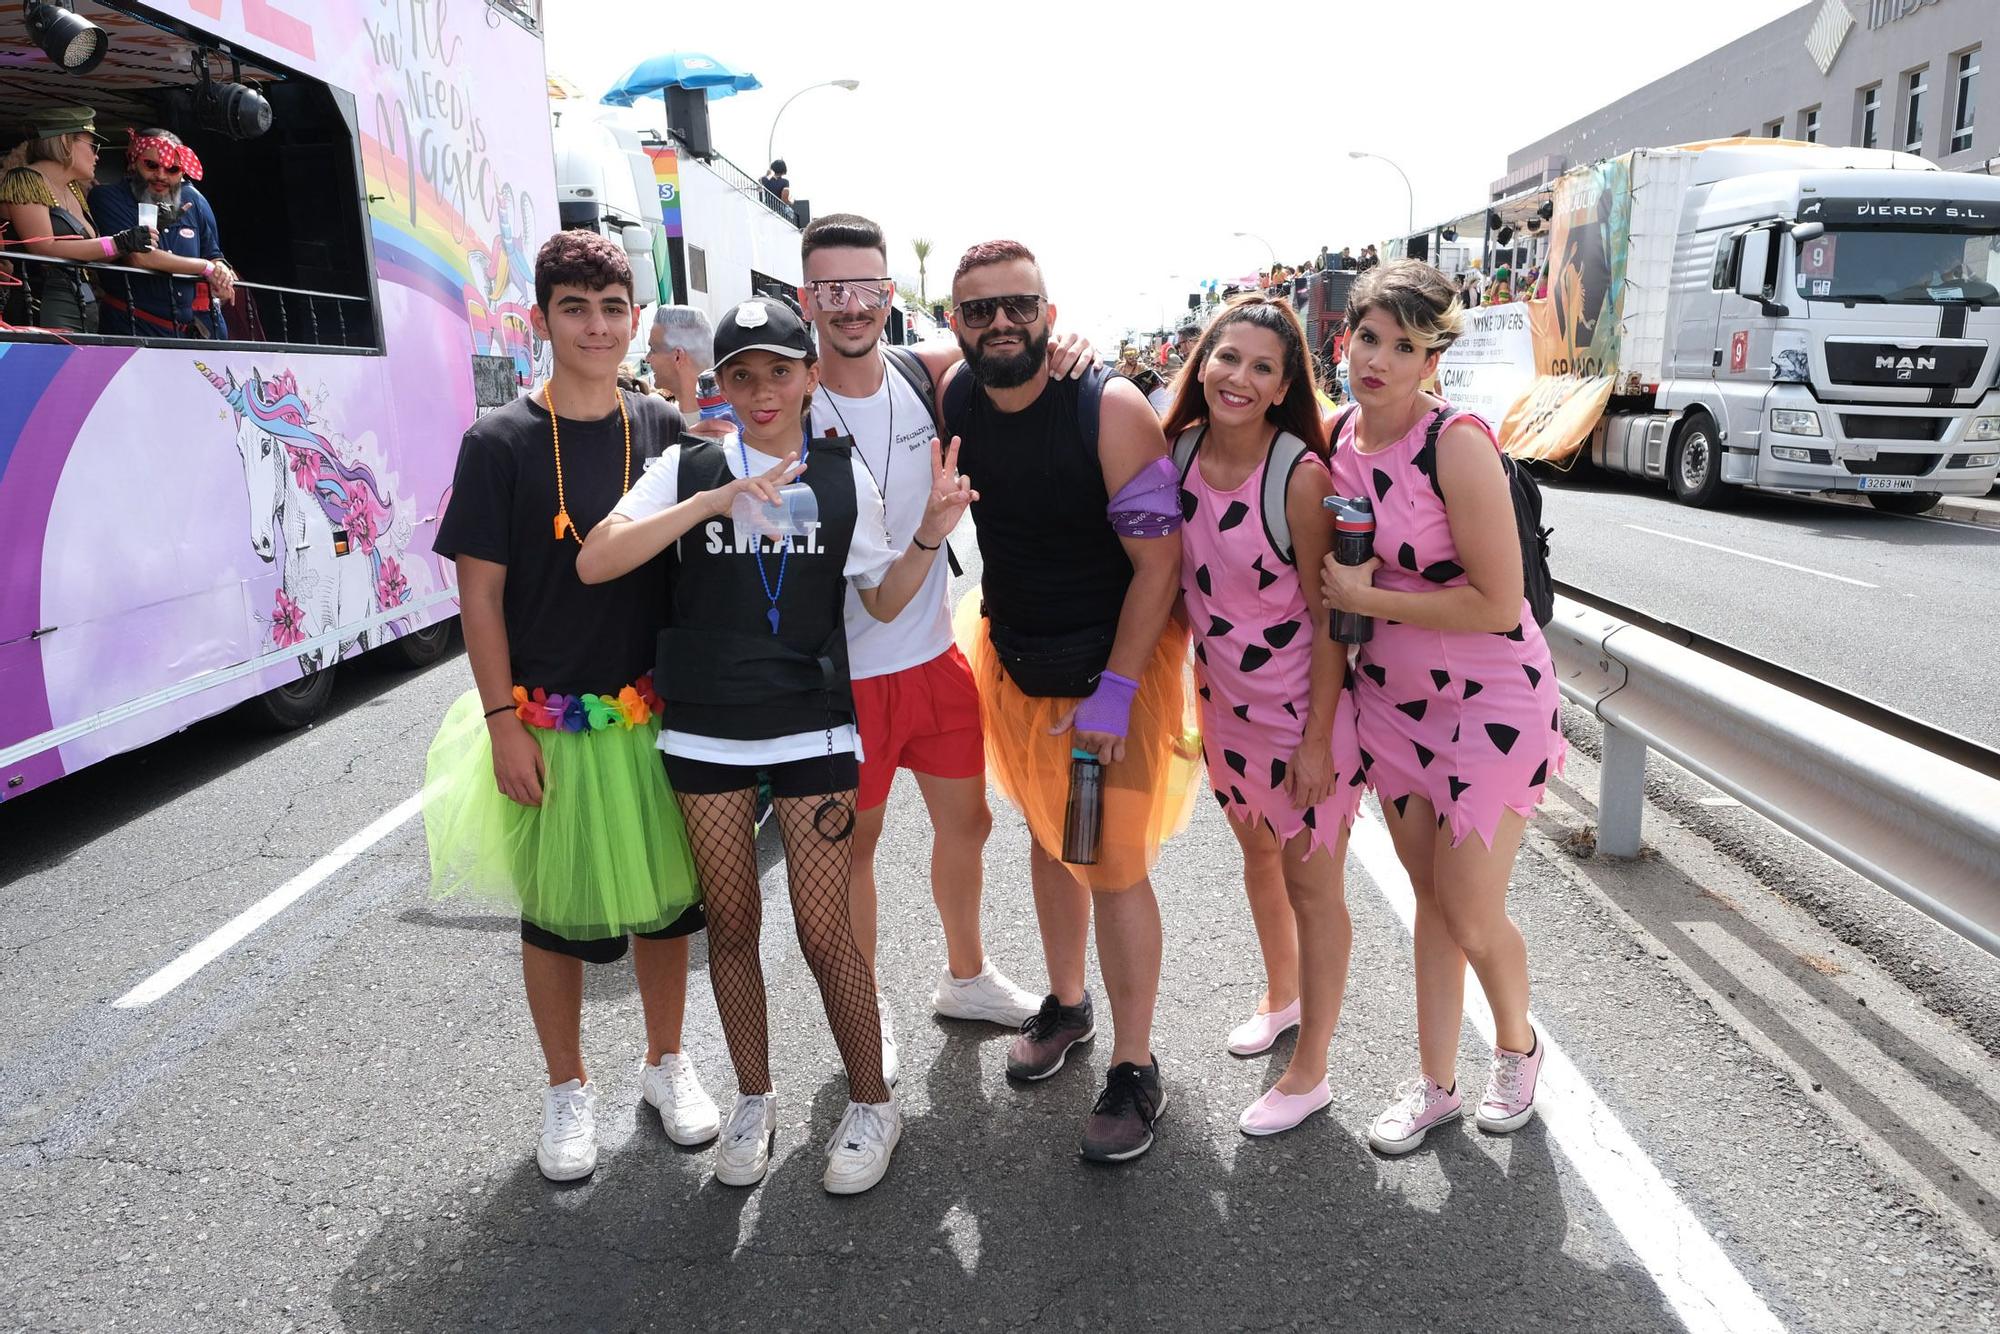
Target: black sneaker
(1047, 1037)
(1121, 1124)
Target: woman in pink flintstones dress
(1460, 721)
(1277, 720)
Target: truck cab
(1834, 328)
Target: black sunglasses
(977, 312)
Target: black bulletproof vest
(1052, 563)
(721, 671)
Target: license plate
(1888, 484)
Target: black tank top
(1052, 564)
(721, 671)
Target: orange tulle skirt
(1148, 795)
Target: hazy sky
(1123, 142)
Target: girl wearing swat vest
(753, 674)
(1277, 720)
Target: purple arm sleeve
(1150, 504)
(1109, 707)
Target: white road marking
(1720, 801)
(1748, 555)
(1694, 1276)
(1970, 1148)
(224, 937)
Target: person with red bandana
(161, 171)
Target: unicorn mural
(499, 295)
(329, 524)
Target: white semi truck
(1775, 315)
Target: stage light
(73, 42)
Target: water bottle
(710, 402)
(1353, 543)
(1083, 818)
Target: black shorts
(610, 949)
(812, 777)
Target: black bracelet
(499, 708)
(919, 543)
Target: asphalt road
(1902, 611)
(332, 1124)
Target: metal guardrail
(1923, 826)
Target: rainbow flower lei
(635, 704)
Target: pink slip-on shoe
(1276, 1112)
(1260, 1032)
(1420, 1104)
(1509, 1103)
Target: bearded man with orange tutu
(1076, 661)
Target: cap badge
(751, 315)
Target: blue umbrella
(686, 69)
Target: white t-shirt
(868, 562)
(901, 467)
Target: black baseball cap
(761, 324)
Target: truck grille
(1893, 465)
(1933, 365)
(1870, 426)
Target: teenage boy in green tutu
(545, 786)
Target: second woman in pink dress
(1277, 719)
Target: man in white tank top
(915, 702)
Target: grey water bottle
(1353, 543)
(1083, 818)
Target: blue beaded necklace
(771, 591)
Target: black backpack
(1537, 584)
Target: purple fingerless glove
(1109, 708)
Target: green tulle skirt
(604, 854)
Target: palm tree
(923, 249)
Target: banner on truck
(667, 176)
(1492, 364)
(1574, 331)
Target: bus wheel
(1904, 502)
(421, 648)
(293, 705)
(1694, 464)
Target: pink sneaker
(1420, 1104)
(1260, 1032)
(1509, 1103)
(1276, 1112)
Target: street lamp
(771, 144)
(1267, 245)
(1409, 193)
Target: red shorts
(924, 718)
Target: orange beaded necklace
(563, 521)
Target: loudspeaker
(687, 120)
(1194, 300)
(802, 213)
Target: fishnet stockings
(725, 855)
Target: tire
(292, 706)
(1905, 502)
(420, 648)
(1694, 464)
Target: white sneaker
(989, 997)
(745, 1153)
(568, 1150)
(859, 1153)
(891, 1063)
(687, 1113)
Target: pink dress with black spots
(1464, 719)
(1253, 663)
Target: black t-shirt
(776, 186)
(563, 635)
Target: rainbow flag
(667, 175)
